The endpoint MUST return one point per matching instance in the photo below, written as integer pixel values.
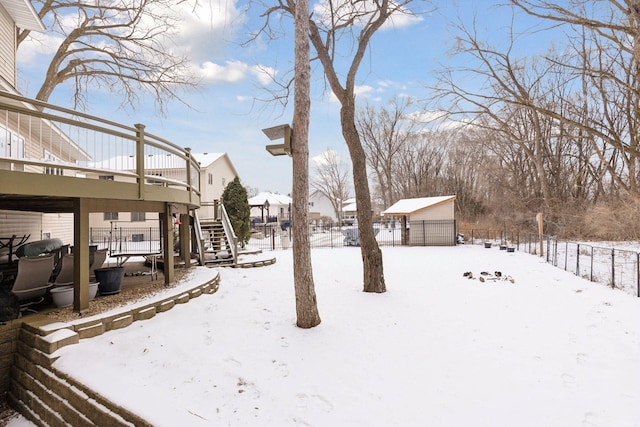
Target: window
(11, 144)
(51, 170)
(224, 181)
(48, 170)
(137, 216)
(210, 179)
(106, 177)
(110, 216)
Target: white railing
(37, 137)
(228, 229)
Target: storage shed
(426, 221)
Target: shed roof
(274, 199)
(409, 206)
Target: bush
(236, 203)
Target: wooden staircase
(218, 250)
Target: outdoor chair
(99, 258)
(65, 275)
(64, 279)
(32, 280)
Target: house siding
(438, 212)
(7, 47)
(58, 225)
(222, 174)
(19, 223)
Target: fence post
(578, 259)
(273, 239)
(613, 268)
(591, 274)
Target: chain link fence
(270, 236)
(614, 267)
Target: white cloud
(438, 119)
(231, 72)
(265, 75)
(35, 45)
(206, 30)
(344, 12)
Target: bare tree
(331, 179)
(385, 132)
(121, 46)
(329, 30)
(349, 25)
(306, 303)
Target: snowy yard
(438, 349)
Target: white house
(216, 172)
(320, 207)
(431, 220)
(270, 207)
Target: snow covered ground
(437, 349)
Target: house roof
(161, 161)
(409, 206)
(274, 199)
(207, 159)
(23, 14)
(351, 207)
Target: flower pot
(503, 247)
(63, 295)
(511, 249)
(487, 245)
(110, 279)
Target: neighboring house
(430, 220)
(320, 207)
(269, 207)
(349, 211)
(216, 171)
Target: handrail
(46, 139)
(228, 229)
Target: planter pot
(487, 245)
(110, 279)
(503, 247)
(511, 249)
(63, 295)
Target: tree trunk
(371, 253)
(306, 303)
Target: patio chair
(65, 275)
(99, 258)
(64, 279)
(32, 280)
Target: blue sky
(225, 116)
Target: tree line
(555, 132)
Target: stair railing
(221, 214)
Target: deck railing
(41, 138)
